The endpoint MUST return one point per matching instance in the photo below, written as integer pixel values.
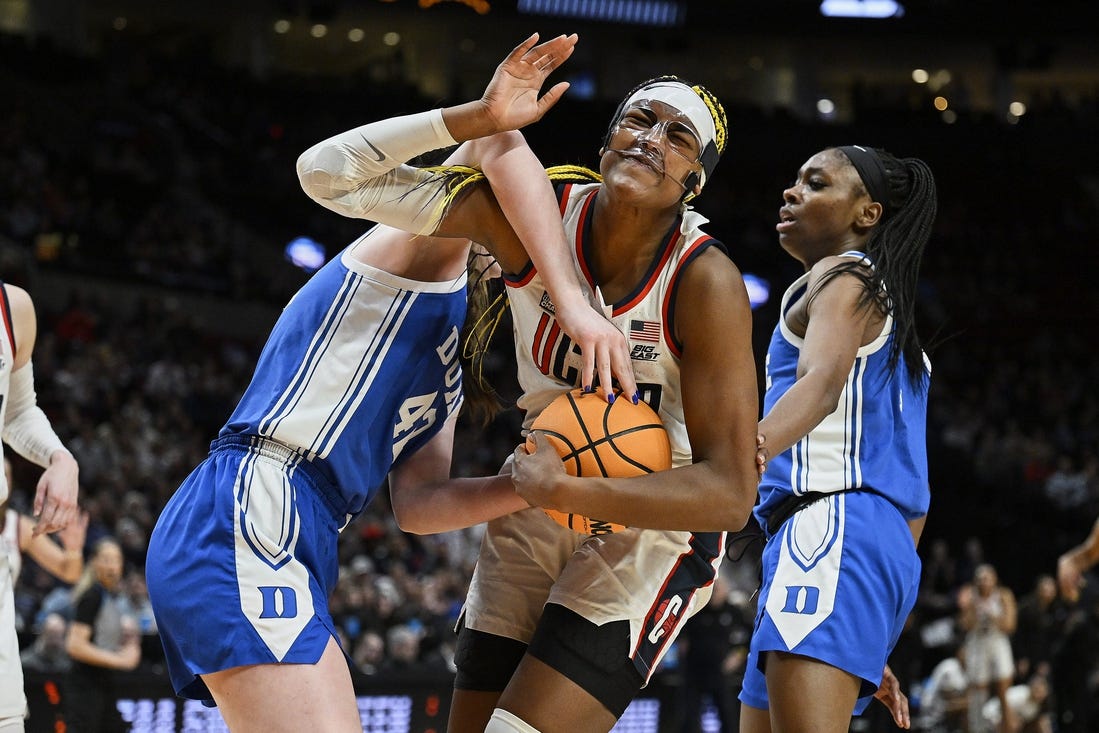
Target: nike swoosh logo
(380, 154)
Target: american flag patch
(645, 331)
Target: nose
(789, 195)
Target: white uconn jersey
(549, 362)
(7, 360)
(361, 367)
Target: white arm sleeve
(26, 428)
(361, 173)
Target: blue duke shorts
(839, 580)
(241, 563)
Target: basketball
(594, 438)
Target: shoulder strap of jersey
(5, 309)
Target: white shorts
(13, 704)
(653, 579)
(988, 658)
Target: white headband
(683, 98)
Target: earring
(602, 150)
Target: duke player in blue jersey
(845, 493)
(359, 379)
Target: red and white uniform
(652, 578)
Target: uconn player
(27, 430)
(845, 492)
(561, 631)
(359, 379)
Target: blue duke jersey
(548, 360)
(875, 439)
(360, 370)
(361, 367)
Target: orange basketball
(594, 438)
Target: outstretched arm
(526, 198)
(426, 500)
(1075, 562)
(362, 173)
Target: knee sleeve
(485, 661)
(504, 722)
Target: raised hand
(511, 98)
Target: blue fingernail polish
(588, 389)
(636, 397)
(610, 398)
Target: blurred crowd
(144, 170)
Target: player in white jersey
(359, 379)
(560, 631)
(845, 492)
(27, 430)
(649, 260)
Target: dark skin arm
(717, 491)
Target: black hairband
(870, 169)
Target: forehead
(828, 160)
(662, 110)
(832, 163)
(685, 100)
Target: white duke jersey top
(7, 361)
(360, 368)
(550, 363)
(875, 439)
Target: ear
(869, 215)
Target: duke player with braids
(845, 492)
(560, 630)
(28, 432)
(359, 378)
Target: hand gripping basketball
(595, 438)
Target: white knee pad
(504, 722)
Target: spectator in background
(100, 641)
(988, 616)
(133, 601)
(65, 562)
(714, 645)
(1037, 629)
(1029, 705)
(47, 654)
(369, 653)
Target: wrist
(61, 455)
(468, 121)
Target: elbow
(316, 178)
(410, 521)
